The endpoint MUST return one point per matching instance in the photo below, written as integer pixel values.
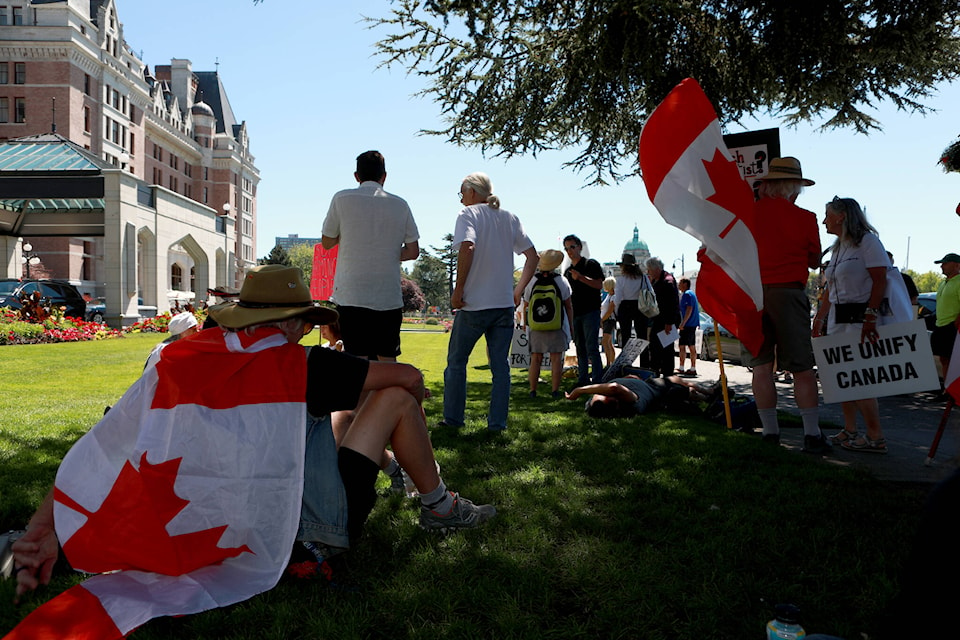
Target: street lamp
(28, 258)
(222, 220)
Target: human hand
(869, 331)
(34, 555)
(456, 300)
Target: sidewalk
(909, 425)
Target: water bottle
(785, 626)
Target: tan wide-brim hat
(550, 259)
(271, 293)
(787, 168)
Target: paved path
(909, 424)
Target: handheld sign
(324, 268)
(900, 361)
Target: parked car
(927, 309)
(731, 347)
(97, 311)
(53, 293)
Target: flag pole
(939, 434)
(723, 376)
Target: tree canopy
(523, 76)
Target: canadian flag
(695, 186)
(186, 495)
(324, 271)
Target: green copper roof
(48, 152)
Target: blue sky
(303, 76)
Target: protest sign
(900, 361)
(520, 350)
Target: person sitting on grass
(631, 396)
(189, 494)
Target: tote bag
(647, 302)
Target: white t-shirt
(373, 226)
(847, 275)
(628, 288)
(496, 235)
(848, 279)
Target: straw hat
(787, 168)
(550, 259)
(271, 293)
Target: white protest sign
(900, 361)
(520, 351)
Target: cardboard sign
(753, 151)
(900, 361)
(631, 351)
(324, 269)
(520, 351)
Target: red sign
(324, 268)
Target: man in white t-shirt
(376, 232)
(486, 237)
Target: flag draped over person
(186, 495)
(696, 187)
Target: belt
(784, 285)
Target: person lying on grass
(630, 396)
(190, 492)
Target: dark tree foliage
(278, 255)
(413, 299)
(522, 76)
(448, 255)
(431, 274)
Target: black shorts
(369, 333)
(688, 336)
(942, 339)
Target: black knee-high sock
(358, 474)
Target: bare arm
(328, 242)
(609, 389)
(568, 305)
(464, 262)
(529, 268)
(820, 319)
(35, 553)
(410, 251)
(878, 276)
(596, 283)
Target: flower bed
(59, 328)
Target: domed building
(636, 247)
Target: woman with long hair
(855, 290)
(627, 290)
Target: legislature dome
(637, 247)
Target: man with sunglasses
(586, 278)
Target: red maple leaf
(730, 190)
(128, 531)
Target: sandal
(866, 445)
(844, 436)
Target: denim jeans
(497, 326)
(586, 331)
(323, 511)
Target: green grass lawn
(658, 527)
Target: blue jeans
(586, 331)
(323, 510)
(496, 325)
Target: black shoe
(771, 438)
(816, 444)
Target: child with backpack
(548, 314)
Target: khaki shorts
(786, 331)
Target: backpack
(545, 309)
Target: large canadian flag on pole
(696, 186)
(186, 495)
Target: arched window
(176, 277)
